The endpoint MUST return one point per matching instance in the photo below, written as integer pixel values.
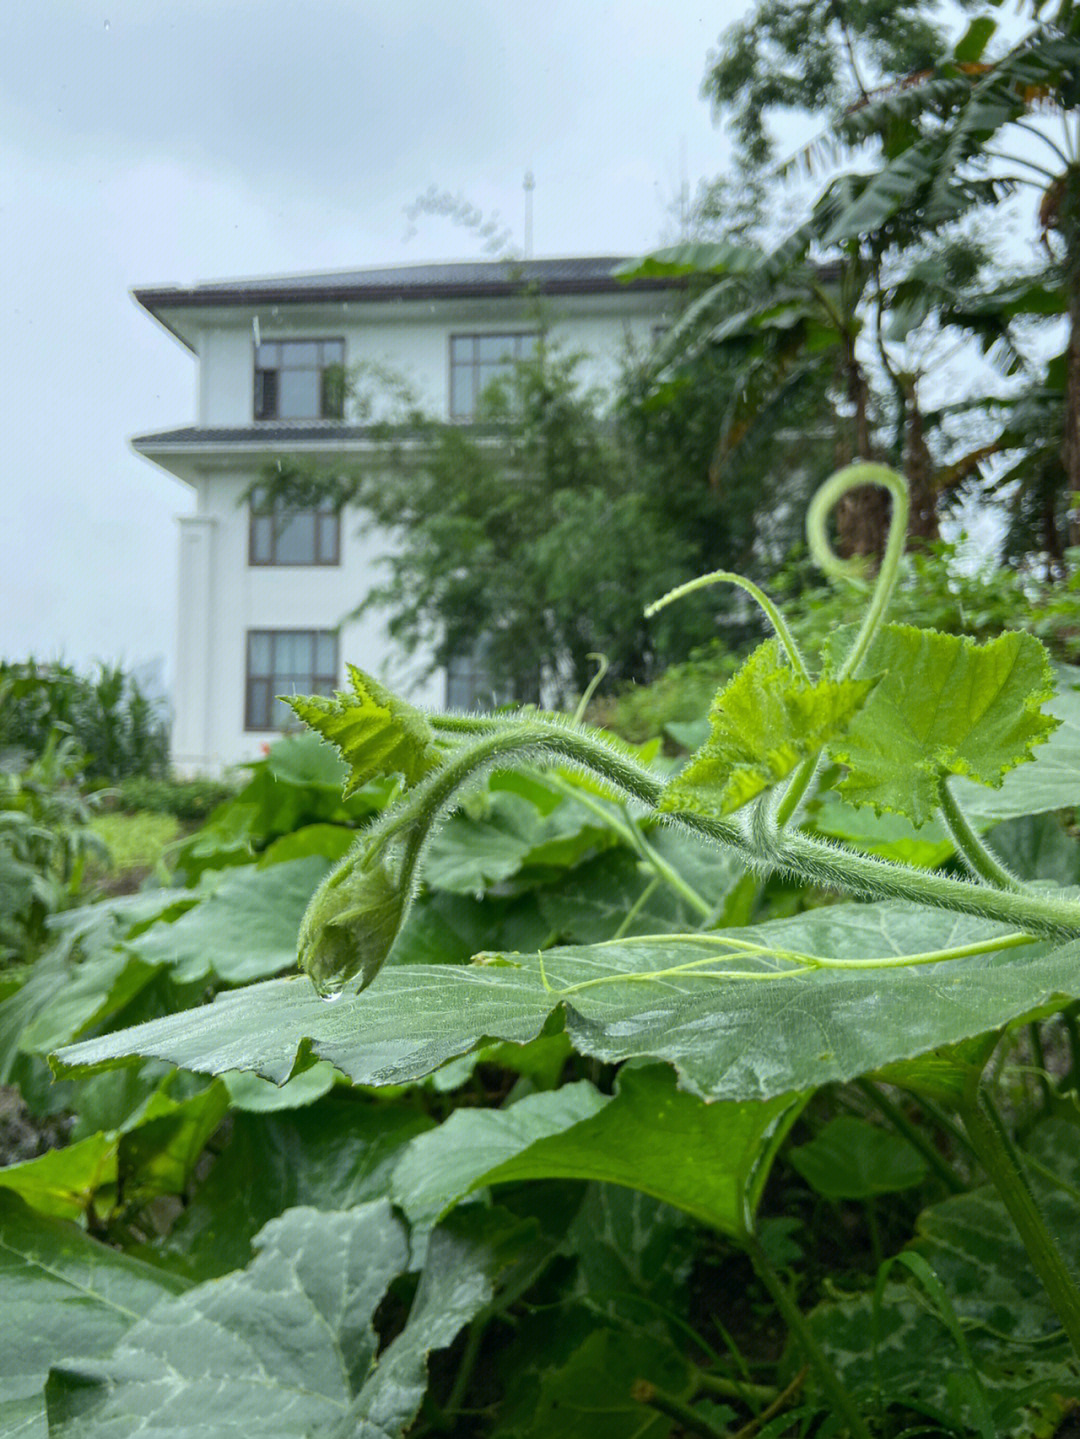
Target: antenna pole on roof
(529, 187)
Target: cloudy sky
(170, 141)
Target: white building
(264, 606)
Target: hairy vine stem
(1002, 1167)
(767, 848)
(970, 846)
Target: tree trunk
(1070, 445)
(919, 468)
(862, 516)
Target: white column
(191, 742)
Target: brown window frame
(323, 556)
(266, 397)
(498, 368)
(275, 680)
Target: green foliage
(936, 591)
(592, 1065)
(807, 56)
(188, 799)
(943, 706)
(45, 842)
(375, 732)
(118, 730)
(136, 843)
(763, 724)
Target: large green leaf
(336, 1154)
(246, 928)
(729, 1038)
(283, 1345)
(651, 1136)
(375, 732)
(467, 1260)
(61, 1294)
(943, 705)
(851, 1159)
(1052, 781)
(763, 724)
(63, 1182)
(1013, 1333)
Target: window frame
(258, 401)
(277, 515)
(500, 368)
(319, 683)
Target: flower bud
(350, 926)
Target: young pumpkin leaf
(375, 732)
(1052, 781)
(764, 723)
(944, 705)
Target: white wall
(413, 340)
(222, 597)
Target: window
(281, 536)
(470, 682)
(283, 662)
(477, 360)
(300, 380)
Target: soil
(23, 1135)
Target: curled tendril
(823, 554)
(772, 613)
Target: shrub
(117, 727)
(190, 800)
(45, 841)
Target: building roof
(588, 274)
(260, 435)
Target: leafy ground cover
(631, 1097)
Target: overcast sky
(168, 141)
(149, 142)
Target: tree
(975, 118)
(830, 307)
(805, 55)
(533, 539)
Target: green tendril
(772, 613)
(801, 963)
(831, 492)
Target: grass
(136, 845)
